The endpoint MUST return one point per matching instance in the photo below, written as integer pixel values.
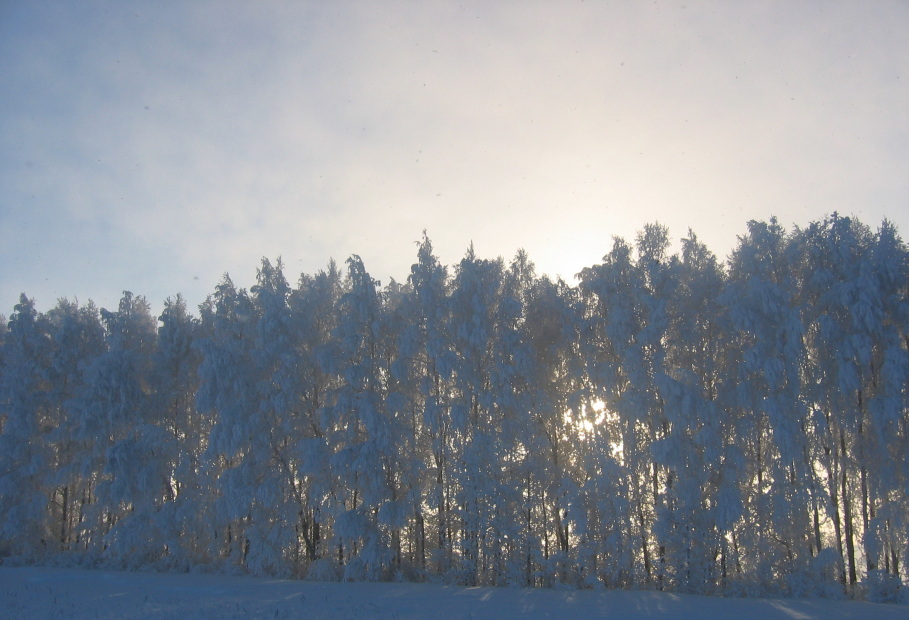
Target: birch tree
(25, 458)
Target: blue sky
(155, 146)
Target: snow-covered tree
(115, 418)
(426, 362)
(227, 382)
(887, 529)
(566, 454)
(78, 337)
(783, 496)
(670, 422)
(362, 433)
(314, 319)
(855, 300)
(475, 409)
(25, 456)
(624, 340)
(834, 254)
(175, 365)
(701, 501)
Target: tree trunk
(847, 518)
(645, 547)
(870, 560)
(832, 475)
(64, 518)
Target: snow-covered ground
(45, 593)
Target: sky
(154, 147)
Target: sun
(595, 423)
(584, 423)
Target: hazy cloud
(155, 147)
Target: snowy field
(45, 594)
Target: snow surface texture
(46, 594)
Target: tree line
(671, 421)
